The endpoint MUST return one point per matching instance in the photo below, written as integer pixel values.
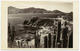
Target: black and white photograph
(40, 25)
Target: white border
(37, 0)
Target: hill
(13, 10)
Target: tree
(25, 22)
(33, 20)
(70, 16)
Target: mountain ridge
(14, 10)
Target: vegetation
(25, 22)
(70, 16)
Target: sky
(64, 7)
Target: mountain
(56, 11)
(13, 10)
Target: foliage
(25, 22)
